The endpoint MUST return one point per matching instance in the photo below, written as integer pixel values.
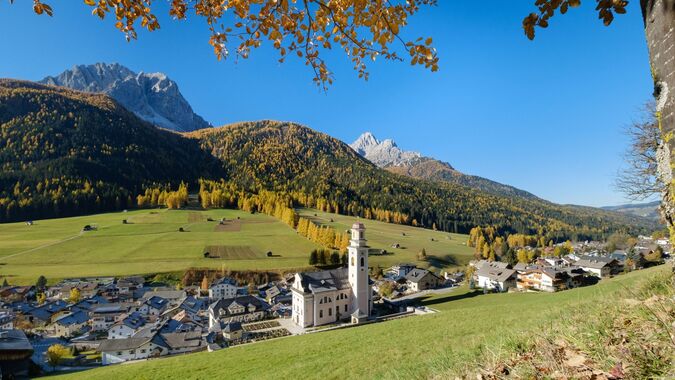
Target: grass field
(435, 345)
(443, 249)
(151, 243)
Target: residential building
(422, 279)
(600, 266)
(70, 324)
(15, 354)
(223, 288)
(239, 309)
(496, 277)
(548, 279)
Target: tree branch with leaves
(363, 29)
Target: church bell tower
(358, 273)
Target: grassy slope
(445, 251)
(415, 347)
(151, 243)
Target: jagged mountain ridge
(386, 154)
(151, 96)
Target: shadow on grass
(441, 261)
(426, 301)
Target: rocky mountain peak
(383, 153)
(151, 96)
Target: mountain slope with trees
(64, 152)
(322, 172)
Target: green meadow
(151, 242)
(468, 326)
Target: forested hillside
(64, 152)
(320, 171)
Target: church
(339, 294)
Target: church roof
(325, 280)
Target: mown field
(468, 326)
(151, 243)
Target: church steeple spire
(358, 273)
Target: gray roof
(191, 339)
(122, 344)
(417, 275)
(245, 301)
(232, 326)
(325, 280)
(495, 274)
(14, 340)
(594, 262)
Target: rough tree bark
(659, 19)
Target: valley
(151, 243)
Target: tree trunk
(659, 19)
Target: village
(83, 323)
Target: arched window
(363, 261)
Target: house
(42, 316)
(121, 350)
(154, 307)
(328, 296)
(7, 320)
(103, 316)
(422, 279)
(223, 288)
(182, 342)
(232, 331)
(548, 279)
(271, 293)
(401, 270)
(70, 324)
(86, 289)
(499, 278)
(15, 354)
(238, 309)
(127, 327)
(600, 266)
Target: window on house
(330, 312)
(119, 352)
(345, 308)
(353, 262)
(320, 313)
(131, 351)
(363, 261)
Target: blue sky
(546, 115)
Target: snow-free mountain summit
(386, 154)
(151, 96)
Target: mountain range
(386, 154)
(153, 97)
(66, 152)
(646, 210)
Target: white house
(223, 288)
(496, 278)
(328, 296)
(421, 279)
(121, 350)
(127, 327)
(598, 265)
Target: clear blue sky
(546, 116)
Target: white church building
(329, 296)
